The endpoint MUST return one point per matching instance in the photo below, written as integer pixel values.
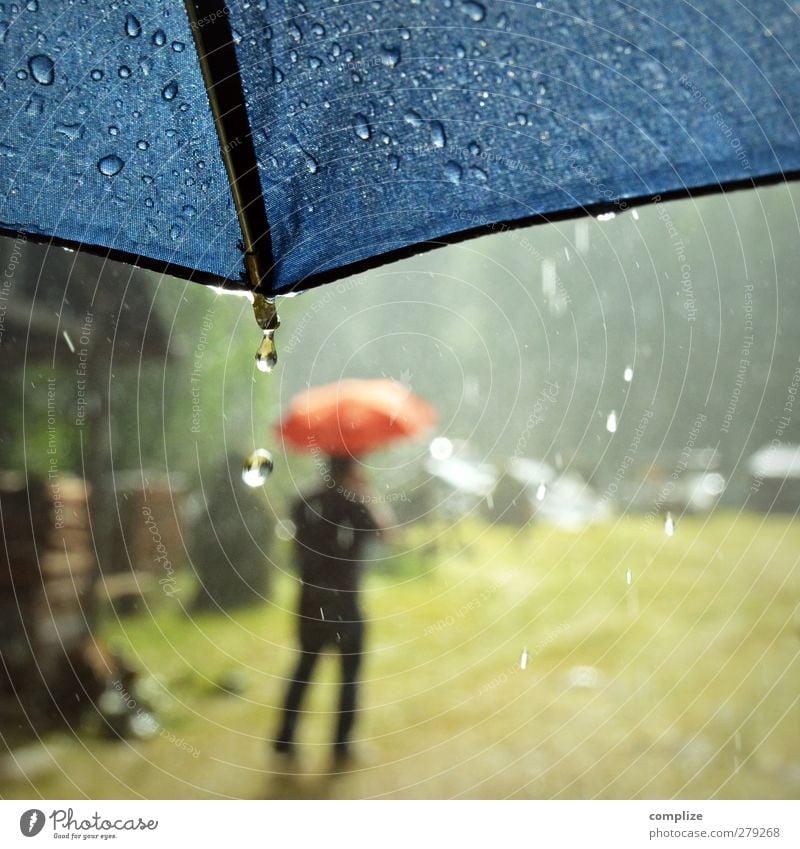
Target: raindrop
(394, 162)
(541, 492)
(611, 422)
(318, 30)
(42, 69)
(295, 33)
(72, 131)
(413, 118)
(361, 126)
(178, 46)
(441, 448)
(132, 26)
(627, 375)
(159, 38)
(314, 62)
(478, 173)
(174, 232)
(111, 165)
(453, 172)
(170, 90)
(405, 33)
(68, 341)
(438, 138)
(474, 148)
(113, 130)
(189, 211)
(523, 661)
(606, 216)
(669, 525)
(34, 105)
(257, 467)
(628, 577)
(32, 5)
(96, 74)
(142, 144)
(147, 179)
(267, 355)
(277, 75)
(124, 71)
(390, 56)
(474, 10)
(521, 118)
(635, 214)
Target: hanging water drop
(42, 69)
(132, 26)
(438, 137)
(257, 467)
(170, 90)
(110, 166)
(268, 320)
(611, 422)
(475, 11)
(361, 126)
(267, 355)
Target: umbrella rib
(216, 53)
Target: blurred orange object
(354, 417)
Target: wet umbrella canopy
(352, 133)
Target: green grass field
(682, 683)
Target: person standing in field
(333, 526)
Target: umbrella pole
(216, 53)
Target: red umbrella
(354, 417)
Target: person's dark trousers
(314, 636)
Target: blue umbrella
(279, 145)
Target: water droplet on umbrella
(174, 232)
(159, 38)
(521, 118)
(474, 148)
(312, 166)
(390, 56)
(257, 467)
(267, 355)
(413, 118)
(314, 62)
(394, 161)
(178, 46)
(124, 72)
(404, 33)
(142, 144)
(478, 173)
(35, 105)
(42, 69)
(669, 525)
(611, 422)
(96, 74)
(72, 131)
(474, 10)
(113, 130)
(189, 211)
(453, 172)
(627, 375)
(110, 165)
(132, 26)
(361, 126)
(147, 179)
(541, 492)
(170, 90)
(438, 138)
(295, 33)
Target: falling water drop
(611, 422)
(669, 525)
(257, 467)
(541, 492)
(628, 577)
(361, 126)
(111, 165)
(42, 69)
(523, 661)
(132, 26)
(627, 375)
